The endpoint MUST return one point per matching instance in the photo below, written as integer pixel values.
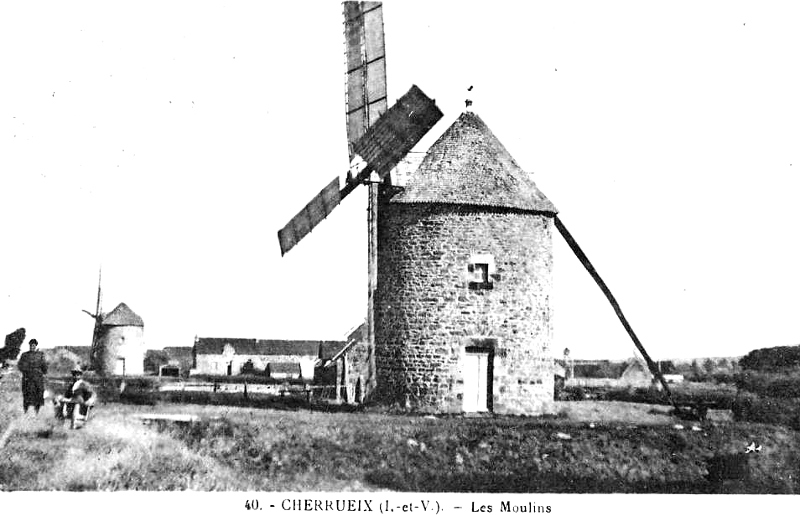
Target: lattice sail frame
(365, 62)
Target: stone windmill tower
(465, 258)
(459, 262)
(119, 348)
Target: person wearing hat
(78, 399)
(33, 367)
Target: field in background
(592, 446)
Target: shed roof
(252, 346)
(469, 166)
(123, 315)
(283, 367)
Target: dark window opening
(479, 276)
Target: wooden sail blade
(614, 304)
(397, 131)
(365, 73)
(310, 216)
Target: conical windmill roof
(123, 315)
(469, 166)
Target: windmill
(378, 139)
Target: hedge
(770, 384)
(772, 359)
(750, 407)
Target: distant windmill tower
(378, 139)
(117, 340)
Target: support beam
(372, 283)
(617, 309)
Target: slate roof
(469, 166)
(123, 315)
(280, 367)
(252, 346)
(609, 369)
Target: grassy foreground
(630, 448)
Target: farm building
(119, 346)
(464, 279)
(603, 373)
(233, 356)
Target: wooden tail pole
(589, 268)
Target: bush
(723, 377)
(572, 393)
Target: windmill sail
(398, 130)
(365, 57)
(381, 147)
(311, 215)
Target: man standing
(33, 368)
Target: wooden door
(119, 369)
(476, 382)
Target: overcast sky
(169, 141)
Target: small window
(480, 270)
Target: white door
(476, 381)
(120, 368)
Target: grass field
(590, 447)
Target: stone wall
(217, 364)
(427, 314)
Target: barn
(119, 346)
(464, 278)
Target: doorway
(119, 368)
(478, 373)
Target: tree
(771, 359)
(154, 359)
(12, 345)
(696, 372)
(708, 365)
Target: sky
(167, 142)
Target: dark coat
(33, 367)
